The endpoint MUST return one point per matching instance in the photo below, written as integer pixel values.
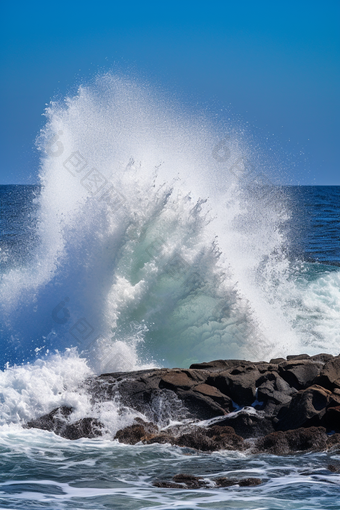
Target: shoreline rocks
(279, 407)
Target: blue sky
(273, 66)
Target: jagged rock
(291, 441)
(331, 419)
(302, 391)
(219, 364)
(250, 482)
(239, 383)
(306, 408)
(330, 374)
(57, 421)
(137, 432)
(167, 485)
(333, 468)
(333, 441)
(191, 482)
(300, 373)
(249, 424)
(186, 481)
(273, 388)
(298, 357)
(277, 360)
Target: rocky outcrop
(186, 481)
(286, 405)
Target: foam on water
(157, 244)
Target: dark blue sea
(148, 243)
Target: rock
(137, 432)
(273, 388)
(330, 374)
(323, 357)
(57, 421)
(306, 408)
(301, 391)
(249, 424)
(167, 485)
(333, 468)
(300, 373)
(219, 364)
(331, 420)
(175, 380)
(298, 357)
(277, 360)
(186, 481)
(291, 441)
(225, 482)
(239, 383)
(250, 482)
(333, 441)
(191, 482)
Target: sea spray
(160, 241)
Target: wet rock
(333, 468)
(298, 357)
(331, 419)
(249, 424)
(333, 441)
(277, 360)
(306, 408)
(137, 432)
(300, 373)
(291, 441)
(330, 374)
(225, 482)
(191, 482)
(219, 364)
(250, 482)
(323, 357)
(273, 388)
(238, 383)
(167, 485)
(57, 421)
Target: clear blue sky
(273, 65)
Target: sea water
(154, 238)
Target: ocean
(154, 239)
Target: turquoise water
(153, 239)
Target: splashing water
(160, 241)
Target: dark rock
(250, 482)
(248, 424)
(202, 406)
(306, 408)
(137, 432)
(333, 468)
(330, 374)
(298, 356)
(57, 421)
(177, 379)
(331, 419)
(277, 360)
(333, 441)
(291, 441)
(273, 388)
(225, 482)
(213, 439)
(52, 420)
(238, 383)
(219, 364)
(167, 485)
(323, 357)
(191, 482)
(300, 373)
